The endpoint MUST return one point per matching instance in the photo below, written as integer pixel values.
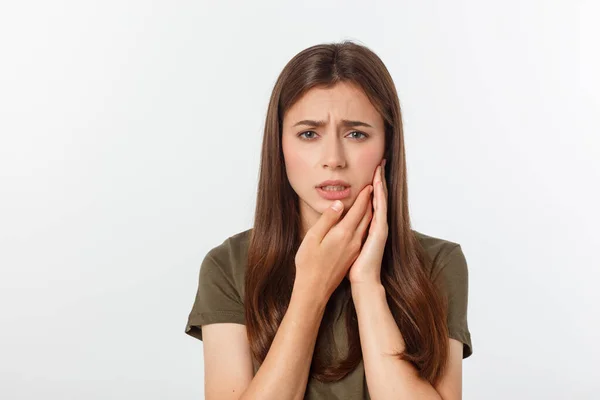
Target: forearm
(387, 376)
(284, 373)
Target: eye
(302, 135)
(304, 138)
(360, 133)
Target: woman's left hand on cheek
(367, 267)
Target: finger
(328, 219)
(374, 200)
(357, 211)
(383, 179)
(381, 201)
(376, 180)
(364, 222)
(380, 194)
(377, 175)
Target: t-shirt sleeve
(217, 299)
(452, 278)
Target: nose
(333, 152)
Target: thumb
(329, 217)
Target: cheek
(297, 157)
(369, 160)
(293, 163)
(297, 165)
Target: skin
(331, 152)
(314, 154)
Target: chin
(323, 204)
(319, 204)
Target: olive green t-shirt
(220, 295)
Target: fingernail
(337, 205)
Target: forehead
(342, 101)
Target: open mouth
(334, 192)
(333, 188)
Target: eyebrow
(344, 122)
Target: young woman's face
(335, 150)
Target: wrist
(358, 288)
(310, 297)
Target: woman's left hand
(367, 267)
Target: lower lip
(334, 194)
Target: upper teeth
(333, 187)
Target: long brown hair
(417, 307)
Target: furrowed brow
(344, 122)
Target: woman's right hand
(328, 250)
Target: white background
(130, 141)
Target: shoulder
(220, 293)
(232, 248)
(442, 254)
(448, 271)
(229, 259)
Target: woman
(331, 294)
